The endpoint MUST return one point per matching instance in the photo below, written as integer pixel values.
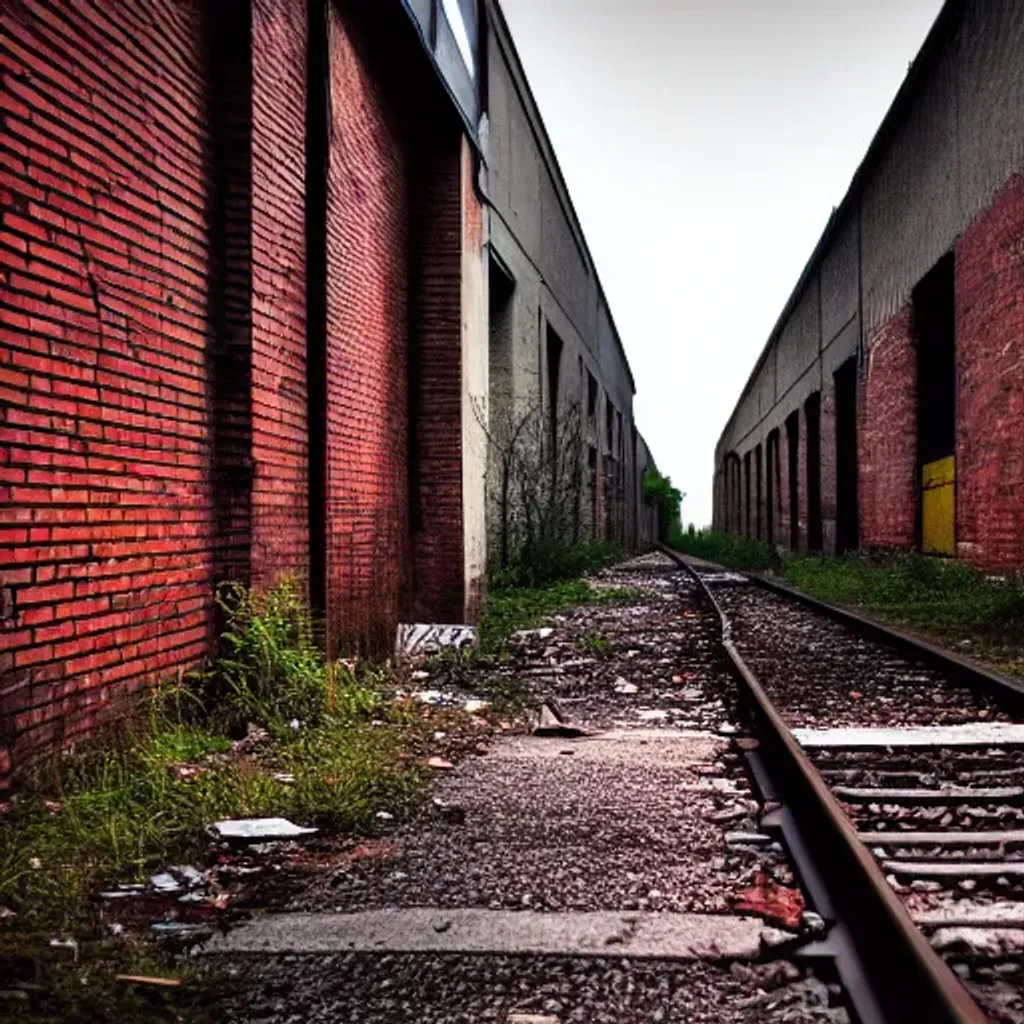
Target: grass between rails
(949, 601)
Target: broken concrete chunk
(439, 764)
(526, 634)
(624, 686)
(531, 1018)
(747, 839)
(258, 829)
(992, 943)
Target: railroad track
(899, 773)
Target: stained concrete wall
(943, 163)
(536, 240)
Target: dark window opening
(554, 354)
(812, 411)
(746, 494)
(501, 289)
(934, 312)
(736, 474)
(591, 395)
(847, 503)
(772, 488)
(759, 470)
(934, 318)
(792, 457)
(592, 485)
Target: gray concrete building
(887, 406)
(560, 383)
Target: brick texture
(887, 437)
(156, 424)
(106, 507)
(368, 258)
(437, 382)
(990, 383)
(280, 451)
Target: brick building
(887, 407)
(244, 282)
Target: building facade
(559, 376)
(887, 407)
(246, 266)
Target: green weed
(948, 599)
(548, 560)
(726, 549)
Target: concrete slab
(970, 734)
(428, 930)
(665, 748)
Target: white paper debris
(258, 829)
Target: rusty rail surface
(899, 978)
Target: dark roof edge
(550, 156)
(941, 28)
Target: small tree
(536, 486)
(666, 501)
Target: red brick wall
(105, 498)
(368, 247)
(990, 383)
(280, 513)
(887, 437)
(437, 426)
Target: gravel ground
(633, 819)
(821, 674)
(403, 989)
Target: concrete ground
(558, 879)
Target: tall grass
(131, 803)
(727, 549)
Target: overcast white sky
(704, 145)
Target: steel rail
(909, 981)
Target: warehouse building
(887, 408)
(244, 290)
(560, 380)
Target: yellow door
(938, 507)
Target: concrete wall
(535, 237)
(942, 176)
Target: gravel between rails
(823, 674)
(820, 673)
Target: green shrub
(548, 560)
(726, 549)
(270, 669)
